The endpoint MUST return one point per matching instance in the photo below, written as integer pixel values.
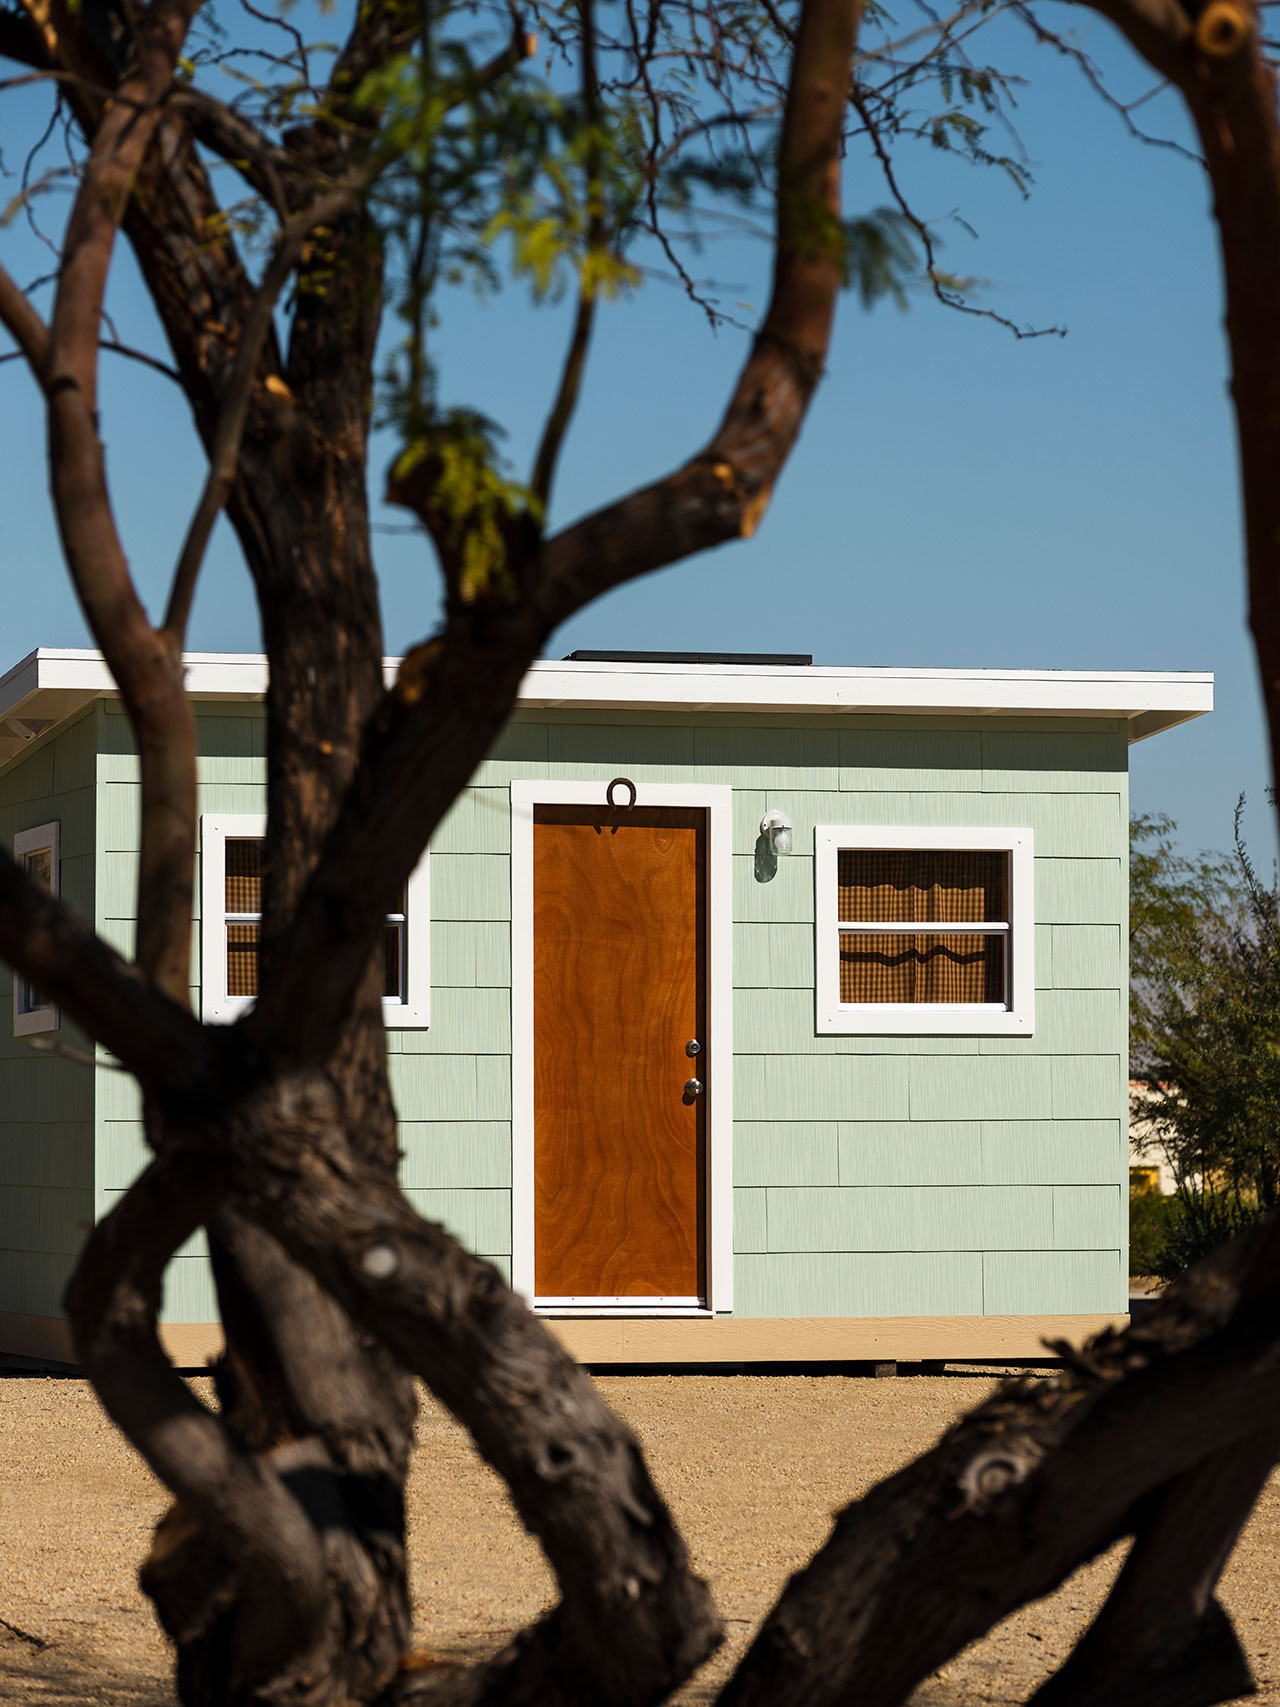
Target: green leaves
(881, 256)
(471, 503)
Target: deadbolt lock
(693, 1047)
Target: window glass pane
(933, 886)
(242, 959)
(39, 868)
(393, 960)
(916, 967)
(39, 864)
(244, 875)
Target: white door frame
(718, 803)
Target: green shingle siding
(480, 1219)
(910, 1218)
(455, 1155)
(902, 1153)
(750, 1220)
(860, 1283)
(793, 1153)
(1047, 1283)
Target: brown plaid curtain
(244, 875)
(242, 960)
(932, 887)
(917, 968)
(943, 887)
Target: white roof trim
(50, 685)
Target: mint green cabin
(738, 1011)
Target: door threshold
(608, 1307)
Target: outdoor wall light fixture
(775, 827)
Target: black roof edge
(793, 658)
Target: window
(231, 848)
(37, 851)
(925, 931)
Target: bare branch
(156, 366)
(1094, 78)
(948, 298)
(566, 400)
(26, 327)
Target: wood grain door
(619, 935)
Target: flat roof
(52, 684)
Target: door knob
(692, 1088)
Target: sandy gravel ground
(753, 1465)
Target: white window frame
(216, 828)
(48, 1017)
(1014, 1017)
(717, 799)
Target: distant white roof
(50, 685)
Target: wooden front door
(619, 935)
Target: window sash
(245, 883)
(222, 908)
(948, 927)
(903, 871)
(37, 850)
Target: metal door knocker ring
(625, 782)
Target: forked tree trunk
(295, 1374)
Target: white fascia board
(1159, 699)
(52, 682)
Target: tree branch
(146, 665)
(1160, 30)
(1161, 1637)
(157, 1039)
(1031, 1484)
(235, 407)
(1219, 65)
(25, 326)
(237, 1498)
(223, 131)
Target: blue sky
(958, 497)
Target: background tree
(409, 157)
(1172, 896)
(1206, 1049)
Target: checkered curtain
(932, 886)
(243, 879)
(243, 894)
